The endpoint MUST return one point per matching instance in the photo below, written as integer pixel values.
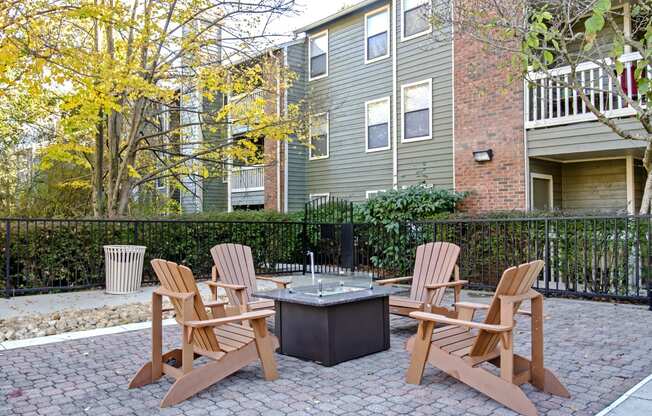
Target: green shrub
(391, 235)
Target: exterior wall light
(483, 155)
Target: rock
(56, 316)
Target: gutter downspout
(278, 145)
(394, 99)
(287, 146)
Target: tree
(123, 71)
(542, 36)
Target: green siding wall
(350, 171)
(595, 186)
(297, 152)
(215, 190)
(427, 57)
(578, 138)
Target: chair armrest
(174, 295)
(212, 303)
(282, 284)
(226, 285)
(425, 316)
(247, 316)
(392, 281)
(471, 305)
(447, 284)
(530, 294)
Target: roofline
(336, 16)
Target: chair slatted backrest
(514, 282)
(434, 263)
(235, 265)
(179, 279)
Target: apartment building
(392, 104)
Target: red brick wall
(488, 115)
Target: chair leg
(483, 381)
(202, 377)
(551, 383)
(420, 350)
(265, 348)
(145, 374)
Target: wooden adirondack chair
(224, 341)
(434, 265)
(234, 272)
(460, 347)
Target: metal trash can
(124, 268)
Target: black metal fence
(593, 257)
(607, 257)
(43, 255)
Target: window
(415, 18)
(318, 50)
(373, 194)
(319, 136)
(417, 111)
(377, 35)
(541, 192)
(377, 113)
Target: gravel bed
(71, 320)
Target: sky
(309, 11)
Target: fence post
(546, 256)
(7, 258)
(304, 242)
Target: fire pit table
(331, 322)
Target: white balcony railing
(247, 179)
(549, 103)
(245, 100)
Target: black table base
(333, 334)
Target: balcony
(248, 179)
(245, 101)
(549, 103)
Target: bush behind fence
(605, 257)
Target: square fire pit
(331, 323)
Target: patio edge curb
(68, 336)
(625, 396)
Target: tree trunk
(646, 201)
(98, 186)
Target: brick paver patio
(598, 350)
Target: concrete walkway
(636, 402)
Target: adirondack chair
(228, 345)
(434, 265)
(234, 272)
(461, 346)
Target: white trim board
(366, 124)
(625, 396)
(310, 37)
(328, 136)
(551, 188)
(69, 336)
(430, 132)
(379, 10)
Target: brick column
(488, 115)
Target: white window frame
(366, 36)
(370, 194)
(403, 88)
(310, 38)
(416, 35)
(366, 124)
(328, 137)
(551, 188)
